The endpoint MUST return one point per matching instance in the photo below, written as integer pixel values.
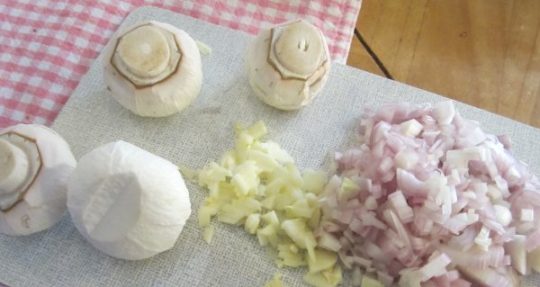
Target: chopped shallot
(429, 199)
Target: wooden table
(483, 52)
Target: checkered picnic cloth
(46, 46)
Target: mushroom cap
(128, 202)
(153, 69)
(288, 64)
(42, 203)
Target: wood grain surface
(360, 57)
(483, 52)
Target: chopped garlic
(208, 233)
(323, 259)
(329, 277)
(289, 255)
(298, 232)
(314, 181)
(329, 242)
(205, 214)
(268, 235)
(299, 209)
(257, 185)
(271, 218)
(348, 189)
(252, 223)
(275, 282)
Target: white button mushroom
(288, 65)
(35, 166)
(153, 69)
(127, 202)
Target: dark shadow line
(372, 54)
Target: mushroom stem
(144, 52)
(35, 164)
(153, 69)
(288, 64)
(14, 170)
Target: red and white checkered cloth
(46, 46)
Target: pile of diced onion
(429, 199)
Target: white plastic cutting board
(60, 256)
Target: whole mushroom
(127, 202)
(288, 64)
(153, 69)
(35, 163)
